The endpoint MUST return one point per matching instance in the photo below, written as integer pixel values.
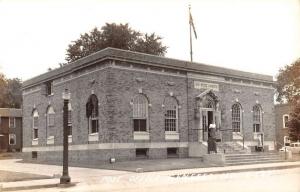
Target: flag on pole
(192, 24)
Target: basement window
(172, 152)
(34, 154)
(141, 153)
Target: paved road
(285, 180)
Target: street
(285, 180)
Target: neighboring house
(130, 105)
(282, 116)
(10, 129)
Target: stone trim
(141, 135)
(35, 141)
(222, 80)
(50, 140)
(93, 137)
(170, 135)
(148, 71)
(123, 55)
(84, 147)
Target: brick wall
(115, 84)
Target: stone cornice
(145, 59)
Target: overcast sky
(250, 35)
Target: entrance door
(210, 117)
(207, 119)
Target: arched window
(236, 117)
(50, 116)
(171, 114)
(92, 114)
(69, 119)
(257, 118)
(35, 121)
(140, 113)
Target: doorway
(210, 118)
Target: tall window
(256, 118)
(171, 114)
(92, 114)
(49, 88)
(285, 120)
(50, 116)
(12, 122)
(35, 120)
(140, 113)
(69, 119)
(12, 139)
(236, 117)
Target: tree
(116, 36)
(11, 94)
(294, 123)
(14, 93)
(288, 88)
(288, 83)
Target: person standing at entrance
(212, 138)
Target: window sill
(141, 135)
(35, 141)
(50, 140)
(70, 138)
(237, 136)
(256, 135)
(93, 137)
(171, 135)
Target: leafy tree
(294, 123)
(288, 83)
(117, 36)
(14, 92)
(288, 88)
(10, 94)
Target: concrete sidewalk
(85, 178)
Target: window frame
(171, 119)
(35, 116)
(285, 122)
(257, 114)
(12, 136)
(140, 111)
(14, 122)
(50, 117)
(93, 100)
(237, 119)
(49, 88)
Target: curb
(27, 187)
(236, 171)
(18, 188)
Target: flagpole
(191, 43)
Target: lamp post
(65, 178)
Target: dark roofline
(118, 54)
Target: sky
(258, 36)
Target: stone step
(247, 156)
(252, 159)
(252, 162)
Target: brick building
(282, 114)
(130, 105)
(10, 129)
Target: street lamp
(65, 178)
